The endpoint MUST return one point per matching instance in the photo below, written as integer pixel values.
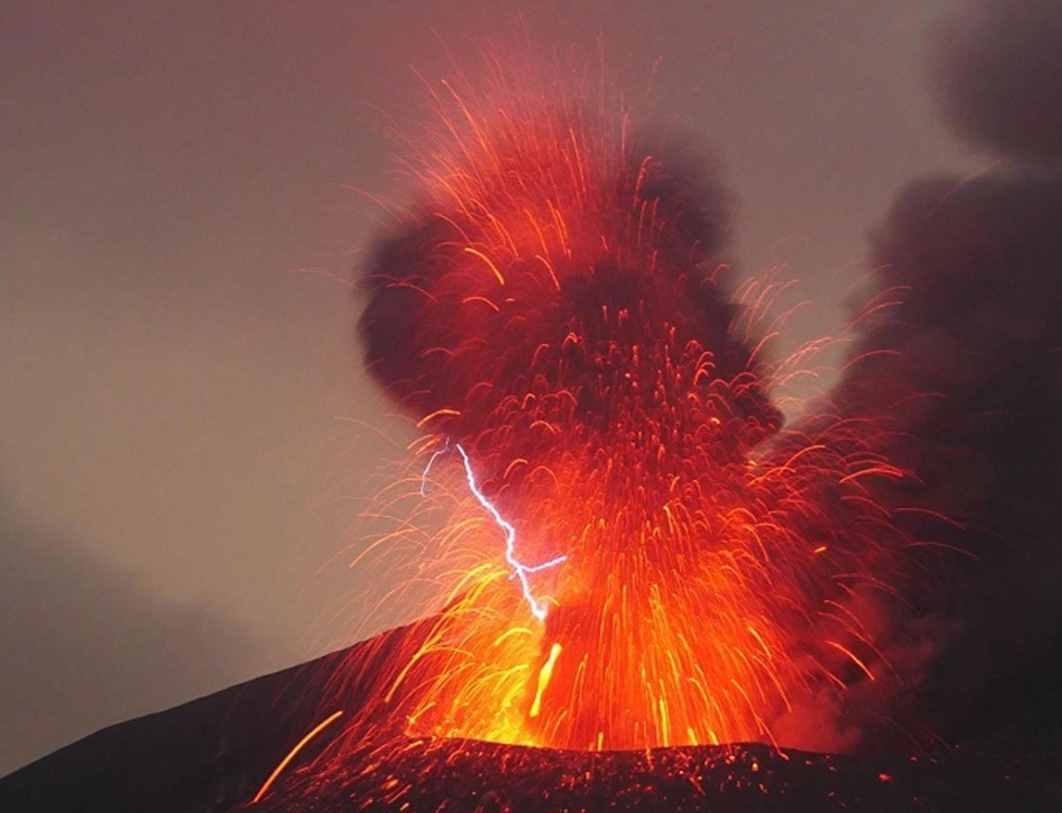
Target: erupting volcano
(641, 547)
(629, 550)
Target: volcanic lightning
(520, 570)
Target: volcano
(214, 754)
(646, 590)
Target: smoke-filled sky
(187, 433)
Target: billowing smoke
(995, 70)
(971, 371)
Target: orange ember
(556, 310)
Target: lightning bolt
(520, 570)
(431, 461)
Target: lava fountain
(626, 546)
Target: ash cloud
(995, 69)
(972, 379)
(415, 303)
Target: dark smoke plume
(996, 70)
(973, 379)
(972, 376)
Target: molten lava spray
(632, 551)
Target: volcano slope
(214, 754)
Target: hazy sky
(186, 433)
